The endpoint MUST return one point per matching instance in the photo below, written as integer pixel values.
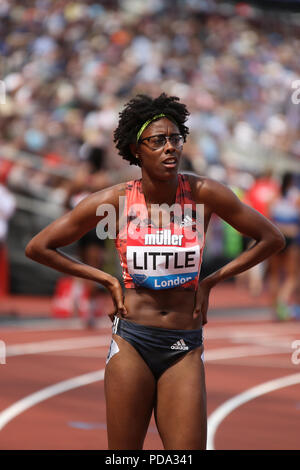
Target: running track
(52, 385)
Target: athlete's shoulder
(201, 186)
(193, 178)
(210, 191)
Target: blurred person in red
(262, 192)
(7, 209)
(284, 266)
(259, 196)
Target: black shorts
(159, 347)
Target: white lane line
(250, 331)
(57, 345)
(50, 324)
(42, 325)
(274, 363)
(31, 400)
(243, 351)
(281, 341)
(91, 353)
(228, 406)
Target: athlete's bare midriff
(170, 308)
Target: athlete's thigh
(130, 393)
(181, 404)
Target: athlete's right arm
(44, 247)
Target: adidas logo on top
(187, 221)
(180, 344)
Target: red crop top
(161, 258)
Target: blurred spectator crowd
(69, 66)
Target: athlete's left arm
(268, 239)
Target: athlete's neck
(159, 191)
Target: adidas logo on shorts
(180, 345)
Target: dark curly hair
(137, 111)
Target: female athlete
(155, 361)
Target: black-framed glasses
(158, 141)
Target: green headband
(147, 124)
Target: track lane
(76, 418)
